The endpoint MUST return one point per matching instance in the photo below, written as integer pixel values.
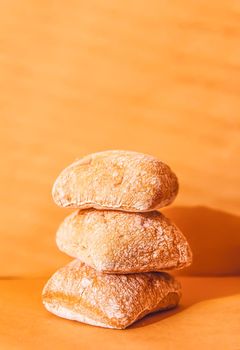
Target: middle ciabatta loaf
(121, 242)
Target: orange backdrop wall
(83, 76)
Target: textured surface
(122, 180)
(120, 242)
(207, 318)
(80, 293)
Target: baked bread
(120, 242)
(120, 180)
(78, 292)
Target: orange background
(160, 77)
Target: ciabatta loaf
(121, 242)
(78, 292)
(120, 180)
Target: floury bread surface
(78, 292)
(121, 242)
(120, 180)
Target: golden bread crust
(80, 293)
(120, 180)
(122, 242)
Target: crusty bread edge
(93, 205)
(66, 313)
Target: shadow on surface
(156, 317)
(196, 290)
(214, 237)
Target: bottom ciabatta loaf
(78, 292)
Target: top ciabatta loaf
(118, 180)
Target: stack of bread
(121, 244)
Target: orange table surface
(208, 318)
